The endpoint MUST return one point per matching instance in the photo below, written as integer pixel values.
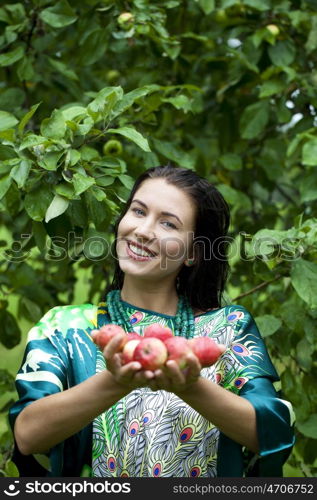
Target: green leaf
(12, 56)
(254, 119)
(55, 126)
(11, 98)
(127, 181)
(104, 102)
(98, 193)
(104, 180)
(10, 333)
(311, 43)
(50, 160)
(31, 140)
(7, 153)
(309, 427)
(11, 469)
(260, 5)
(63, 68)
(94, 47)
(180, 102)
(59, 16)
(27, 117)
(308, 188)
(129, 99)
(268, 324)
(7, 120)
(32, 309)
(174, 153)
(207, 5)
(132, 134)
(82, 182)
(20, 172)
(234, 197)
(5, 183)
(37, 202)
(57, 207)
(271, 87)
(304, 280)
(282, 53)
(66, 190)
(309, 152)
(231, 161)
(304, 351)
(40, 235)
(72, 112)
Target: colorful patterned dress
(154, 433)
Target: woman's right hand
(130, 375)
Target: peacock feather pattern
(160, 435)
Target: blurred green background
(92, 93)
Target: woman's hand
(171, 378)
(130, 375)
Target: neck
(157, 297)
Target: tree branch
(258, 287)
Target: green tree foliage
(94, 92)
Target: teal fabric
(275, 429)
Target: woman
(225, 420)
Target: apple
(128, 350)
(158, 331)
(112, 148)
(273, 29)
(206, 350)
(125, 20)
(177, 349)
(106, 333)
(151, 353)
(133, 336)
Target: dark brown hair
(203, 283)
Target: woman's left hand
(173, 379)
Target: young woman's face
(161, 221)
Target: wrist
(113, 387)
(189, 389)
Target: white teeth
(138, 251)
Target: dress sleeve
(252, 378)
(43, 372)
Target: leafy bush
(94, 92)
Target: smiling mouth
(137, 253)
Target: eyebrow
(163, 213)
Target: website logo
(12, 490)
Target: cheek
(123, 226)
(174, 248)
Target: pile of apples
(158, 345)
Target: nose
(145, 230)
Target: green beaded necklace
(184, 327)
(184, 319)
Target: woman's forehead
(159, 192)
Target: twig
(258, 287)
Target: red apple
(128, 351)
(133, 336)
(151, 353)
(206, 350)
(158, 331)
(106, 333)
(177, 349)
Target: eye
(137, 211)
(170, 224)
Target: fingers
(113, 346)
(222, 348)
(193, 366)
